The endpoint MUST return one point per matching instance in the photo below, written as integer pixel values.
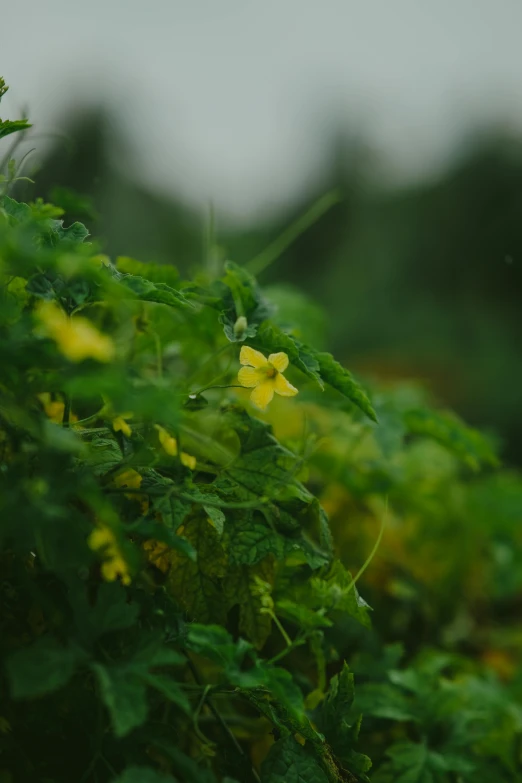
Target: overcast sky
(230, 100)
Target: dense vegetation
(192, 498)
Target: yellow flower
(265, 376)
(131, 478)
(54, 408)
(128, 478)
(170, 445)
(113, 566)
(120, 425)
(75, 337)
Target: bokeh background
(205, 127)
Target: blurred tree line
(420, 282)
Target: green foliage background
(219, 633)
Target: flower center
(271, 372)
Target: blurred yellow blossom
(119, 424)
(170, 445)
(76, 337)
(103, 540)
(264, 375)
(131, 478)
(54, 409)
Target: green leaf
(13, 126)
(124, 686)
(40, 286)
(156, 273)
(341, 379)
(125, 696)
(216, 515)
(150, 528)
(289, 696)
(303, 617)
(249, 587)
(264, 468)
(111, 612)
(333, 720)
(148, 291)
(170, 689)
(216, 644)
(272, 339)
(196, 585)
(212, 641)
(18, 212)
(290, 762)
(234, 331)
(248, 538)
(382, 700)
(137, 774)
(333, 590)
(447, 429)
(412, 763)
(42, 668)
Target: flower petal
(188, 460)
(262, 394)
(248, 376)
(251, 356)
(279, 361)
(283, 387)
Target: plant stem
(284, 240)
(222, 723)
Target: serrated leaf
(290, 762)
(196, 585)
(40, 286)
(13, 126)
(148, 291)
(42, 668)
(103, 454)
(156, 273)
(248, 538)
(341, 379)
(272, 339)
(340, 728)
(264, 467)
(241, 587)
(54, 233)
(333, 589)
(17, 211)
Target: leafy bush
(176, 604)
